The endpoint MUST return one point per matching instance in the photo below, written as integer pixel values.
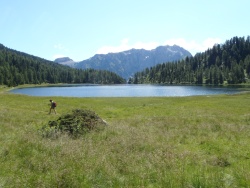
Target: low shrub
(77, 123)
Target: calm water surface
(125, 91)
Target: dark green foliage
(17, 68)
(227, 63)
(75, 124)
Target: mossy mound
(76, 123)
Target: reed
(200, 141)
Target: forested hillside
(226, 63)
(17, 68)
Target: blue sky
(80, 29)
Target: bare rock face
(65, 61)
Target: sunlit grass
(149, 142)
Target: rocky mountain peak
(65, 61)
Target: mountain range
(128, 62)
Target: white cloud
(124, 45)
(146, 46)
(192, 46)
(208, 43)
(60, 51)
(58, 56)
(60, 47)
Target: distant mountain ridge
(128, 62)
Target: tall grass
(149, 142)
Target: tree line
(17, 68)
(227, 63)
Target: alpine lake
(128, 90)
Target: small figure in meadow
(52, 106)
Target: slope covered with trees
(17, 68)
(226, 63)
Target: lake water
(125, 91)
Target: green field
(200, 141)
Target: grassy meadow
(200, 141)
